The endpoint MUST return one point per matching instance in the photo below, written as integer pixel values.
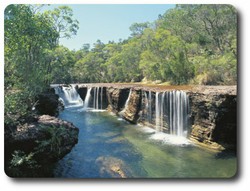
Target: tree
(29, 38)
(138, 28)
(209, 32)
(63, 21)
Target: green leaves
(63, 22)
(32, 55)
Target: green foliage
(53, 142)
(61, 63)
(33, 58)
(17, 105)
(22, 165)
(188, 44)
(63, 22)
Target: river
(109, 147)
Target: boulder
(49, 138)
(47, 104)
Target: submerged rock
(112, 167)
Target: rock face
(214, 120)
(117, 99)
(82, 91)
(131, 112)
(47, 138)
(47, 103)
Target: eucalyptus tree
(28, 37)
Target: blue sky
(109, 21)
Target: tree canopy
(32, 54)
(190, 44)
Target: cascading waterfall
(126, 103)
(101, 96)
(87, 98)
(171, 111)
(157, 112)
(148, 107)
(96, 99)
(178, 112)
(69, 95)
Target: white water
(148, 106)
(87, 98)
(98, 98)
(157, 112)
(178, 101)
(126, 104)
(69, 96)
(170, 139)
(171, 108)
(171, 111)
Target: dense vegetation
(190, 44)
(31, 43)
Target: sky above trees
(109, 22)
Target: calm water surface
(110, 147)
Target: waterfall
(97, 98)
(101, 96)
(98, 93)
(126, 104)
(171, 111)
(162, 111)
(157, 112)
(149, 106)
(146, 108)
(178, 112)
(87, 98)
(69, 96)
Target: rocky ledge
(212, 109)
(213, 118)
(43, 141)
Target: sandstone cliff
(212, 110)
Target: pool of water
(109, 147)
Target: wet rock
(116, 98)
(131, 112)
